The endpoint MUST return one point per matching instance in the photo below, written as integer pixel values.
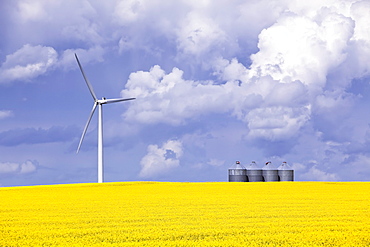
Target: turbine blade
(86, 126)
(86, 80)
(117, 100)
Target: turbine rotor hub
(101, 101)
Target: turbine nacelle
(97, 103)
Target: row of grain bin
(267, 173)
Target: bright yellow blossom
(187, 214)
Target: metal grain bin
(285, 172)
(269, 173)
(238, 173)
(254, 173)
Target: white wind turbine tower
(97, 103)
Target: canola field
(187, 214)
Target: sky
(215, 82)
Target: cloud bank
(266, 80)
(16, 168)
(162, 159)
(5, 114)
(295, 82)
(17, 137)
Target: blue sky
(215, 82)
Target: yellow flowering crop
(187, 214)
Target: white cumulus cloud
(18, 168)
(199, 35)
(5, 114)
(28, 62)
(300, 48)
(161, 159)
(67, 59)
(276, 123)
(169, 98)
(127, 11)
(316, 174)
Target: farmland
(187, 214)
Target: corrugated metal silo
(254, 173)
(238, 173)
(269, 173)
(285, 172)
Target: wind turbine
(97, 103)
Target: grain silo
(254, 173)
(285, 172)
(269, 173)
(238, 173)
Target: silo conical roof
(237, 165)
(268, 166)
(253, 166)
(285, 166)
